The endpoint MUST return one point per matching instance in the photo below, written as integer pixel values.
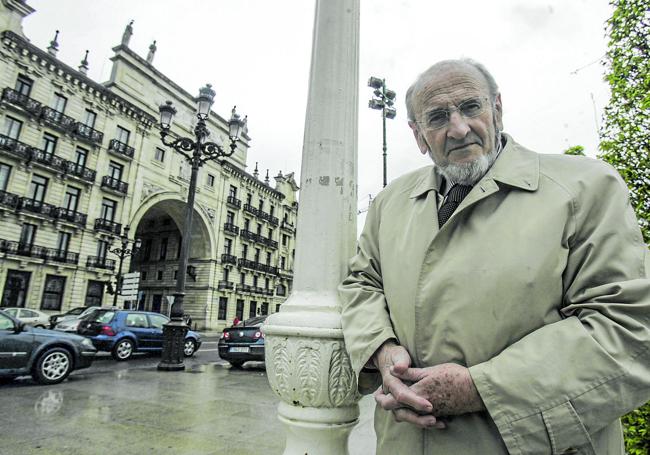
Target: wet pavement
(207, 409)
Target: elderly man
(500, 298)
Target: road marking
(207, 350)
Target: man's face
(464, 139)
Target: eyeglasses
(439, 118)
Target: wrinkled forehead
(449, 85)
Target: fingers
(411, 375)
(400, 357)
(422, 421)
(395, 391)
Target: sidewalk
(208, 409)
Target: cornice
(250, 179)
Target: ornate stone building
(80, 161)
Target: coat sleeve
(554, 388)
(364, 315)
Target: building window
(227, 246)
(261, 206)
(15, 290)
(71, 198)
(242, 278)
(53, 293)
(239, 311)
(223, 308)
(115, 170)
(259, 229)
(252, 311)
(268, 258)
(24, 85)
(265, 309)
(5, 172)
(247, 224)
(122, 135)
(266, 283)
(13, 127)
(281, 290)
(143, 275)
(271, 233)
(108, 209)
(285, 239)
(27, 235)
(257, 255)
(146, 251)
(38, 187)
(210, 180)
(255, 280)
(175, 274)
(163, 248)
(59, 102)
(63, 243)
(102, 249)
(90, 118)
(159, 277)
(180, 245)
(277, 307)
(159, 154)
(271, 210)
(232, 192)
(230, 217)
(94, 293)
(244, 251)
(226, 274)
(249, 198)
(49, 144)
(81, 156)
(282, 262)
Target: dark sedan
(243, 342)
(48, 356)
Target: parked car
(71, 324)
(48, 356)
(123, 332)
(35, 318)
(243, 342)
(70, 314)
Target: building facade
(80, 161)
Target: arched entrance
(159, 223)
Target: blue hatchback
(123, 332)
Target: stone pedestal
(306, 361)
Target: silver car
(71, 323)
(35, 318)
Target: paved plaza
(208, 409)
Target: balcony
(261, 214)
(63, 256)
(115, 185)
(19, 149)
(226, 286)
(109, 226)
(244, 288)
(269, 242)
(99, 262)
(248, 235)
(233, 202)
(71, 216)
(79, 171)
(30, 105)
(88, 133)
(247, 263)
(285, 272)
(273, 220)
(9, 200)
(269, 292)
(38, 207)
(49, 160)
(58, 120)
(228, 259)
(286, 226)
(23, 249)
(120, 149)
(230, 228)
(250, 209)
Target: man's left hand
(448, 387)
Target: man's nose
(457, 128)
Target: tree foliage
(578, 150)
(625, 135)
(625, 142)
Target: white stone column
(306, 362)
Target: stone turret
(12, 13)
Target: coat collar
(516, 166)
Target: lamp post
(197, 151)
(121, 252)
(383, 99)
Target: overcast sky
(256, 54)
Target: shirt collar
(515, 166)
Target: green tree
(575, 150)
(625, 142)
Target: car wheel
(53, 366)
(190, 347)
(40, 326)
(123, 349)
(236, 363)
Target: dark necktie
(455, 196)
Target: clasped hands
(422, 396)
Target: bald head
(470, 66)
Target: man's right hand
(394, 393)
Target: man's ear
(498, 113)
(422, 145)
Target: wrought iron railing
(105, 225)
(230, 228)
(114, 184)
(233, 202)
(100, 262)
(120, 148)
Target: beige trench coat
(538, 283)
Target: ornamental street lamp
(384, 100)
(197, 151)
(121, 252)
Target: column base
(173, 343)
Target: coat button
(570, 450)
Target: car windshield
(12, 312)
(76, 311)
(100, 316)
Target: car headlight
(86, 342)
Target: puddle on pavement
(195, 369)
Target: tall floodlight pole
(307, 365)
(121, 252)
(197, 151)
(383, 100)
